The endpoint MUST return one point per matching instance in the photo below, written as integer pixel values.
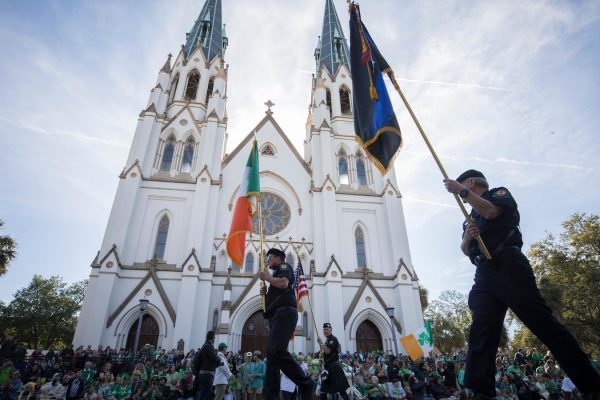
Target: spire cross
(269, 104)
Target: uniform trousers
(205, 386)
(508, 281)
(281, 327)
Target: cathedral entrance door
(148, 334)
(255, 334)
(368, 337)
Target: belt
(204, 371)
(479, 260)
(287, 308)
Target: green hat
(222, 345)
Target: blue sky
(511, 88)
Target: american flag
(300, 283)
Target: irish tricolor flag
(245, 207)
(418, 343)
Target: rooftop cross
(269, 104)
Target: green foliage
(451, 318)
(567, 269)
(8, 251)
(424, 297)
(44, 313)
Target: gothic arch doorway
(368, 337)
(255, 334)
(148, 335)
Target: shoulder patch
(500, 193)
(283, 266)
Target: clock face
(276, 214)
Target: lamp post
(143, 304)
(390, 313)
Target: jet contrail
(508, 161)
(434, 203)
(467, 85)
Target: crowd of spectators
(159, 374)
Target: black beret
(471, 173)
(327, 325)
(277, 253)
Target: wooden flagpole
(482, 246)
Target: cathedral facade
(327, 208)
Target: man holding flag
(282, 314)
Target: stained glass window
(361, 172)
(343, 167)
(361, 253)
(267, 151)
(276, 214)
(188, 155)
(249, 266)
(167, 157)
(161, 238)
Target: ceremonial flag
(300, 285)
(375, 123)
(418, 343)
(245, 207)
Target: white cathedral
(329, 209)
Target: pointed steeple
(207, 32)
(332, 49)
(167, 67)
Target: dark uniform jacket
(335, 380)
(277, 298)
(206, 359)
(499, 232)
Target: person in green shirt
(375, 390)
(515, 369)
(88, 374)
(6, 371)
(550, 386)
(122, 388)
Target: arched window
(161, 238)
(361, 252)
(215, 324)
(211, 85)
(267, 150)
(188, 155)
(289, 259)
(173, 88)
(345, 100)
(361, 171)
(328, 99)
(249, 265)
(167, 158)
(192, 85)
(343, 167)
(205, 28)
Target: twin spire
(332, 49)
(209, 34)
